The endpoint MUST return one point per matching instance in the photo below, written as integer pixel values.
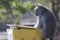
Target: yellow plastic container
(26, 34)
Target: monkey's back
(48, 24)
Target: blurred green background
(14, 9)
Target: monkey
(46, 21)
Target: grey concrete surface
(3, 35)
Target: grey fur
(46, 21)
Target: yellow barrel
(27, 34)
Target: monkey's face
(39, 10)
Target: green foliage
(27, 5)
(41, 2)
(55, 1)
(47, 39)
(22, 9)
(32, 7)
(10, 8)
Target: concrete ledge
(3, 35)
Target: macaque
(46, 21)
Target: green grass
(46, 38)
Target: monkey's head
(39, 9)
